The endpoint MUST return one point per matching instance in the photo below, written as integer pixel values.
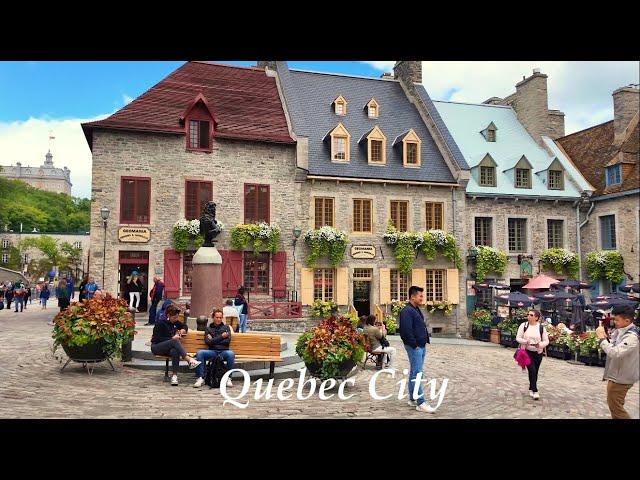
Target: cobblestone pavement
(483, 383)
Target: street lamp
(104, 213)
(296, 234)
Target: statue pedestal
(206, 289)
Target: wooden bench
(263, 347)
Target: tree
(54, 255)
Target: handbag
(522, 358)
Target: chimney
(408, 71)
(270, 64)
(387, 76)
(530, 103)
(626, 104)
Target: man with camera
(622, 366)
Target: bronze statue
(209, 227)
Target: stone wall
(165, 160)
(627, 212)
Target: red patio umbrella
(539, 282)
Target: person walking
(27, 295)
(81, 289)
(134, 288)
(70, 286)
(18, 297)
(414, 335)
(156, 294)
(533, 338)
(240, 301)
(90, 288)
(63, 294)
(165, 341)
(621, 369)
(9, 295)
(44, 295)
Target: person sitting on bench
(218, 337)
(375, 332)
(165, 341)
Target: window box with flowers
(561, 261)
(489, 259)
(259, 237)
(442, 306)
(186, 235)
(605, 265)
(325, 242)
(587, 348)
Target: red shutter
(191, 199)
(264, 201)
(231, 272)
(279, 269)
(250, 195)
(172, 273)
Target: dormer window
(613, 175)
(340, 106)
(411, 144)
(199, 125)
(487, 172)
(489, 133)
(523, 178)
(376, 147)
(555, 179)
(198, 134)
(340, 144)
(373, 109)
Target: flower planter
(593, 359)
(508, 339)
(495, 335)
(345, 369)
(91, 352)
(559, 351)
(485, 334)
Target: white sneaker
(229, 384)
(174, 380)
(194, 364)
(199, 382)
(536, 396)
(412, 403)
(531, 393)
(51, 324)
(423, 407)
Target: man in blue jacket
(413, 331)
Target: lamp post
(104, 213)
(296, 234)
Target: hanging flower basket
(489, 259)
(605, 265)
(561, 261)
(186, 235)
(259, 237)
(325, 242)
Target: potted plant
(323, 309)
(508, 329)
(588, 349)
(390, 324)
(93, 330)
(443, 306)
(481, 324)
(332, 349)
(559, 341)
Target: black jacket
(413, 329)
(218, 342)
(165, 330)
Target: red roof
(245, 102)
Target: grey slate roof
(309, 98)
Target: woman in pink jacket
(533, 337)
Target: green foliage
(442, 306)
(352, 317)
(59, 254)
(259, 237)
(322, 309)
(561, 261)
(180, 239)
(329, 345)
(325, 242)
(605, 265)
(391, 324)
(185, 235)
(481, 318)
(97, 320)
(586, 343)
(489, 260)
(396, 308)
(438, 241)
(508, 325)
(46, 211)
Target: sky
(43, 99)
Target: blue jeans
(243, 322)
(416, 361)
(152, 312)
(203, 355)
(19, 301)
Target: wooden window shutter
(279, 272)
(306, 286)
(385, 285)
(342, 286)
(419, 277)
(231, 272)
(250, 194)
(453, 292)
(191, 200)
(264, 200)
(172, 273)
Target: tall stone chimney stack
(626, 105)
(408, 71)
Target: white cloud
(27, 142)
(384, 66)
(126, 99)
(582, 90)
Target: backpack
(214, 371)
(527, 326)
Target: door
(130, 262)
(362, 290)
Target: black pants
(172, 348)
(534, 369)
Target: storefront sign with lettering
(363, 251)
(134, 234)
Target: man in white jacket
(623, 355)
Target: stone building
(607, 155)
(370, 151)
(205, 132)
(523, 196)
(45, 177)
